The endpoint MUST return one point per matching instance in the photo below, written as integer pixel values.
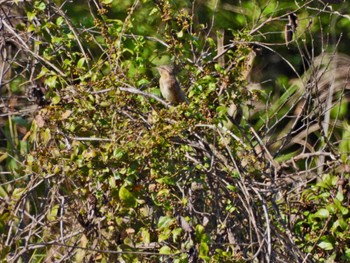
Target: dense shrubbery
(110, 172)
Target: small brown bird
(169, 86)
(293, 21)
(291, 28)
(288, 34)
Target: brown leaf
(66, 114)
(39, 121)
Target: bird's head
(166, 70)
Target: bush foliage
(96, 166)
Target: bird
(291, 27)
(293, 21)
(288, 33)
(169, 86)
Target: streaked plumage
(169, 86)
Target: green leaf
(211, 87)
(344, 210)
(164, 235)
(31, 16)
(40, 5)
(203, 250)
(343, 224)
(217, 67)
(347, 254)
(70, 35)
(165, 222)
(56, 99)
(165, 250)
(127, 197)
(332, 209)
(45, 136)
(339, 223)
(180, 34)
(153, 11)
(232, 188)
(201, 235)
(52, 215)
(51, 81)
(142, 82)
(210, 41)
(221, 110)
(56, 40)
(31, 28)
(166, 180)
(344, 146)
(59, 21)
(340, 196)
(199, 230)
(326, 245)
(17, 193)
(322, 213)
(81, 62)
(176, 233)
(118, 153)
(42, 73)
(163, 192)
(146, 236)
